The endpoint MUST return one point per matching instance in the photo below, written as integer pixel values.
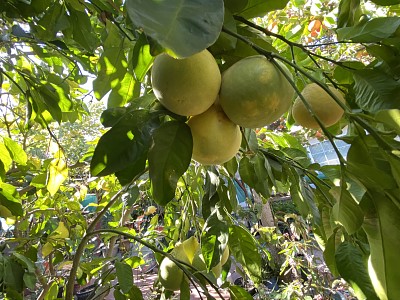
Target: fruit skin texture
(323, 105)
(215, 138)
(186, 86)
(254, 93)
(170, 275)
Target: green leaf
(135, 293)
(238, 293)
(175, 22)
(30, 280)
(225, 42)
(169, 158)
(390, 117)
(254, 173)
(8, 198)
(352, 267)
(5, 158)
(346, 210)
(386, 2)
(244, 248)
(349, 13)
(374, 30)
(375, 90)
(13, 275)
(126, 144)
(82, 30)
(124, 276)
(389, 54)
(141, 58)
(329, 252)
(52, 292)
(53, 21)
(112, 65)
(259, 8)
(383, 232)
(214, 240)
(118, 295)
(126, 89)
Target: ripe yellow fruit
(323, 105)
(215, 138)
(254, 93)
(186, 86)
(170, 275)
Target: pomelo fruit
(254, 93)
(170, 275)
(187, 86)
(215, 138)
(323, 105)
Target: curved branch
(290, 43)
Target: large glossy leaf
(124, 91)
(346, 210)
(82, 30)
(254, 173)
(214, 240)
(386, 2)
(141, 58)
(390, 117)
(375, 90)
(239, 293)
(5, 158)
(349, 13)
(243, 247)
(258, 8)
(374, 30)
(169, 158)
(125, 144)
(112, 65)
(381, 226)
(185, 27)
(124, 275)
(9, 199)
(352, 266)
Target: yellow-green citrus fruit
(215, 138)
(225, 256)
(187, 86)
(323, 105)
(170, 275)
(254, 93)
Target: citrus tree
(187, 85)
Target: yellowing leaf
(58, 172)
(46, 249)
(60, 233)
